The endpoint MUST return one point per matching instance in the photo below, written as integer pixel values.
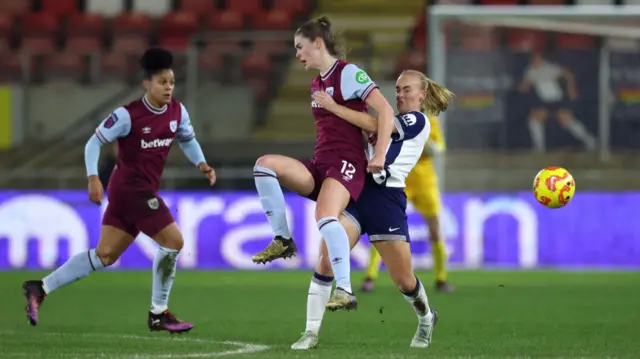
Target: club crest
(173, 126)
(153, 203)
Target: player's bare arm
(363, 120)
(572, 88)
(191, 148)
(386, 124)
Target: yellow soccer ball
(554, 187)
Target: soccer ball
(554, 187)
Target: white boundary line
(242, 348)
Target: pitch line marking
(242, 347)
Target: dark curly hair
(155, 60)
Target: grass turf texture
(493, 314)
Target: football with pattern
(554, 187)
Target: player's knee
(107, 255)
(323, 211)
(174, 242)
(268, 161)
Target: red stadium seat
(256, 65)
(40, 22)
(294, 7)
(6, 25)
(245, 7)
(176, 28)
(129, 22)
(222, 46)
(210, 65)
(478, 38)
(84, 33)
(272, 20)
(115, 67)
(198, 7)
(83, 23)
(527, 40)
(14, 6)
(575, 42)
(412, 60)
(547, 2)
(130, 43)
(499, 2)
(10, 68)
(60, 7)
(83, 44)
(131, 32)
(178, 24)
(271, 47)
(226, 20)
(39, 32)
(67, 67)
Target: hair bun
(156, 59)
(324, 21)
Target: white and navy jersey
(545, 79)
(404, 150)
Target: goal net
(537, 80)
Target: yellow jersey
(424, 173)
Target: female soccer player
(337, 171)
(422, 191)
(380, 210)
(145, 130)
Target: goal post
(481, 53)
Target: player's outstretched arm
(91, 158)
(192, 150)
(190, 146)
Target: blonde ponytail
(438, 97)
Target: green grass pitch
(492, 314)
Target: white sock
(419, 301)
(338, 247)
(577, 130)
(272, 200)
(317, 299)
(164, 270)
(77, 267)
(536, 130)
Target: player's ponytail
(322, 28)
(438, 97)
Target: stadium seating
(60, 33)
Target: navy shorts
(380, 212)
(553, 106)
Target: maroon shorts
(349, 173)
(135, 213)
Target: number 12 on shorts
(348, 169)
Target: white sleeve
(409, 125)
(355, 83)
(185, 131)
(118, 124)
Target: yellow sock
(374, 264)
(439, 260)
